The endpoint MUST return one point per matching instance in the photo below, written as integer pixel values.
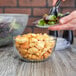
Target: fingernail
(62, 21)
(64, 0)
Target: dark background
(35, 8)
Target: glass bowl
(34, 47)
(11, 25)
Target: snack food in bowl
(34, 47)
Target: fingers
(70, 25)
(58, 27)
(54, 2)
(68, 18)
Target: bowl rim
(14, 14)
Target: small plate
(42, 26)
(45, 26)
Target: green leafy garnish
(51, 23)
(41, 22)
(49, 20)
(52, 17)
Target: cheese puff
(40, 44)
(32, 50)
(21, 40)
(32, 44)
(23, 51)
(34, 57)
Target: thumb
(59, 27)
(66, 19)
(62, 27)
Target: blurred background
(36, 9)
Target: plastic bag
(11, 25)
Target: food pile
(49, 20)
(34, 46)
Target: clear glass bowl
(38, 51)
(11, 25)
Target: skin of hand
(54, 2)
(66, 23)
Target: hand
(66, 23)
(54, 2)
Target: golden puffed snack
(35, 46)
